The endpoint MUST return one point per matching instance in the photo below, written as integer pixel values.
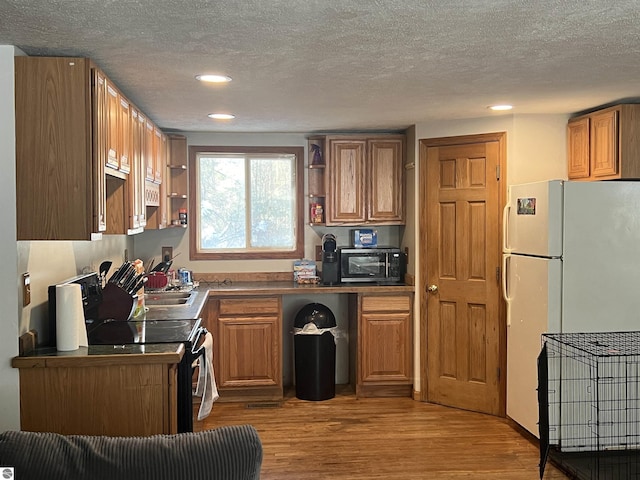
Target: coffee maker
(330, 260)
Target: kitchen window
(246, 202)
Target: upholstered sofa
(226, 453)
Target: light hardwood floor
(388, 438)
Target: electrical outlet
(26, 289)
(167, 253)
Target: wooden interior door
(461, 259)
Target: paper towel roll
(71, 332)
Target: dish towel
(206, 387)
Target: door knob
(432, 288)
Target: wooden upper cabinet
(603, 136)
(112, 130)
(346, 202)
(74, 150)
(137, 208)
(125, 132)
(605, 145)
(578, 149)
(99, 146)
(149, 151)
(59, 185)
(386, 167)
(160, 155)
(365, 180)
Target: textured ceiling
(321, 65)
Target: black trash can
(315, 354)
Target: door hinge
(498, 274)
(497, 172)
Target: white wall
(536, 150)
(9, 389)
(49, 262)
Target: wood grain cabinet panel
(385, 346)
(137, 399)
(60, 182)
(365, 179)
(247, 346)
(605, 144)
(578, 149)
(76, 140)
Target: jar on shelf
(182, 216)
(317, 213)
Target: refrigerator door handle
(505, 294)
(505, 227)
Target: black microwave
(381, 264)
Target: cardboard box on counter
(304, 270)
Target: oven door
(186, 372)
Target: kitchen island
(118, 390)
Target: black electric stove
(110, 332)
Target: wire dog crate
(589, 402)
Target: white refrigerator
(571, 263)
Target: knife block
(116, 303)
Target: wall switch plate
(26, 289)
(167, 253)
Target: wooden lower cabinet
(247, 347)
(115, 395)
(384, 356)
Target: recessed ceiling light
(213, 78)
(500, 108)
(221, 116)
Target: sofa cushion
(229, 453)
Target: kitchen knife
(131, 282)
(139, 285)
(118, 274)
(128, 275)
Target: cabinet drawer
(400, 303)
(253, 305)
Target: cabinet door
(604, 144)
(578, 149)
(385, 353)
(385, 187)
(149, 156)
(249, 351)
(160, 155)
(384, 340)
(112, 131)
(100, 149)
(346, 202)
(136, 177)
(124, 135)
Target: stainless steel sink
(169, 299)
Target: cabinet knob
(432, 288)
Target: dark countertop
(95, 355)
(292, 288)
(213, 289)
